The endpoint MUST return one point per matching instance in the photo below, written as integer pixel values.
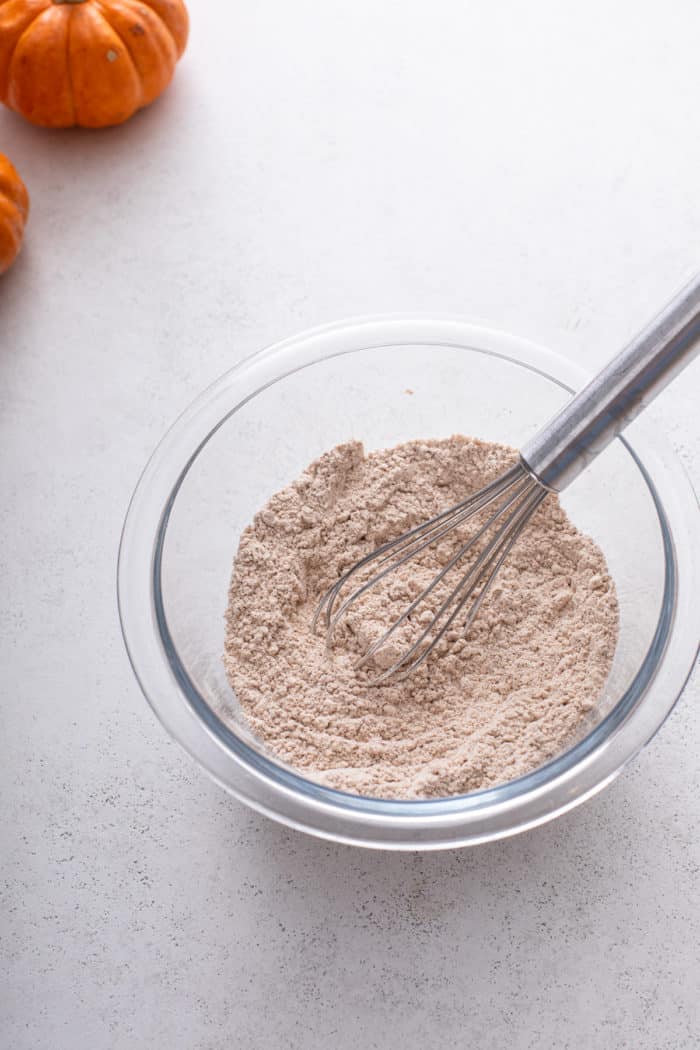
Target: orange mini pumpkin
(87, 62)
(14, 208)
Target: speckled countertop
(518, 164)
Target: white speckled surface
(524, 165)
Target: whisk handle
(601, 410)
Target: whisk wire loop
(457, 557)
(487, 565)
(516, 493)
(422, 536)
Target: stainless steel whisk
(549, 462)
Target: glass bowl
(385, 381)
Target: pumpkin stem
(68, 1)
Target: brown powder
(482, 710)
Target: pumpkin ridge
(178, 49)
(94, 25)
(14, 209)
(104, 11)
(17, 221)
(157, 37)
(12, 189)
(97, 6)
(10, 59)
(20, 220)
(27, 29)
(69, 75)
(144, 3)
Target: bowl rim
(285, 795)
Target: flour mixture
(487, 708)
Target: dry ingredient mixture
(480, 711)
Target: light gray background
(534, 166)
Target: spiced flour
(484, 709)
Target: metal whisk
(549, 462)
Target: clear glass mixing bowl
(385, 381)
